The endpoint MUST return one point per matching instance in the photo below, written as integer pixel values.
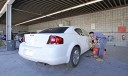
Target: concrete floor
(115, 64)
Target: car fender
(70, 50)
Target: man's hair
(91, 32)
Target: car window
(85, 33)
(55, 30)
(79, 31)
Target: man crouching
(102, 40)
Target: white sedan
(55, 46)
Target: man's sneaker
(99, 59)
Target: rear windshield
(55, 30)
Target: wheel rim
(76, 57)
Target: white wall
(106, 22)
(15, 29)
(2, 27)
(19, 28)
(41, 26)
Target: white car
(55, 46)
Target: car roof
(70, 26)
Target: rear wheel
(75, 57)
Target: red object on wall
(121, 29)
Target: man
(102, 43)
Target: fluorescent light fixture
(78, 6)
(3, 10)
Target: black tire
(72, 63)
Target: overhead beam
(115, 2)
(110, 3)
(26, 11)
(3, 10)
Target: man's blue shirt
(99, 35)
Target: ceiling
(23, 10)
(2, 2)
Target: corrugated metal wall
(106, 22)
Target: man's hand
(93, 45)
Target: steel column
(8, 22)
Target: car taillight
(55, 40)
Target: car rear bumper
(52, 55)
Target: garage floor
(115, 64)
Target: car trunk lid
(37, 40)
